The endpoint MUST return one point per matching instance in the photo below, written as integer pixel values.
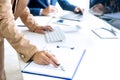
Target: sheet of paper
(68, 58)
(66, 25)
(72, 16)
(105, 33)
(112, 15)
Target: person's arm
(29, 21)
(8, 31)
(36, 7)
(65, 5)
(26, 50)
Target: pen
(61, 23)
(61, 67)
(72, 48)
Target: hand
(77, 10)
(44, 58)
(48, 10)
(98, 8)
(42, 29)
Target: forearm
(9, 31)
(65, 5)
(28, 20)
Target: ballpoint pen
(72, 48)
(61, 67)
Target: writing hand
(44, 58)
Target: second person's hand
(48, 10)
(78, 10)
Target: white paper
(68, 58)
(105, 33)
(112, 15)
(72, 16)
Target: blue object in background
(61, 21)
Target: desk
(101, 61)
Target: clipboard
(69, 59)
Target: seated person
(45, 7)
(107, 6)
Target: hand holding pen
(44, 58)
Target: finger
(82, 10)
(52, 60)
(45, 62)
(50, 28)
(79, 10)
(47, 27)
(42, 62)
(43, 59)
(39, 58)
(40, 31)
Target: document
(65, 25)
(69, 59)
(72, 16)
(114, 16)
(105, 33)
(115, 23)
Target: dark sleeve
(93, 2)
(65, 5)
(35, 6)
(35, 11)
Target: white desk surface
(101, 60)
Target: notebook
(69, 58)
(72, 16)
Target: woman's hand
(45, 58)
(43, 29)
